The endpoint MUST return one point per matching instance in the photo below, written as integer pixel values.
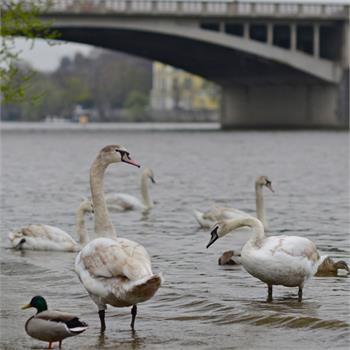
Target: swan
(114, 271)
(275, 260)
(209, 218)
(50, 325)
(46, 237)
(326, 268)
(123, 201)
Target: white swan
(114, 271)
(275, 260)
(209, 218)
(46, 237)
(123, 201)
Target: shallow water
(201, 305)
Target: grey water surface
(201, 305)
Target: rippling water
(201, 305)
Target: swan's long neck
(255, 224)
(80, 227)
(103, 224)
(146, 198)
(260, 207)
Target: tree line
(104, 82)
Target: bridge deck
(204, 8)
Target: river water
(201, 305)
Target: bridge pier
(286, 106)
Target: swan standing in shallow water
(327, 266)
(114, 271)
(123, 201)
(46, 237)
(50, 325)
(209, 218)
(275, 260)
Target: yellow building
(176, 89)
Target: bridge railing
(203, 8)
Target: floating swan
(51, 326)
(46, 237)
(328, 267)
(209, 218)
(275, 260)
(123, 201)
(114, 271)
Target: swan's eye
(268, 182)
(123, 153)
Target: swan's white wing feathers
(109, 258)
(43, 237)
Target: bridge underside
(257, 92)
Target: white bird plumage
(46, 237)
(114, 271)
(124, 201)
(210, 217)
(275, 260)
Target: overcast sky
(46, 58)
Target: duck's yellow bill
(27, 306)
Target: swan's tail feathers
(144, 289)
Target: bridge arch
(216, 56)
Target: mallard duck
(210, 217)
(228, 258)
(328, 267)
(275, 260)
(51, 326)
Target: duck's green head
(38, 302)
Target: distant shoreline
(68, 126)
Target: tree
(19, 17)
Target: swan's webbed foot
(133, 316)
(269, 294)
(300, 294)
(101, 314)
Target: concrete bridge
(279, 64)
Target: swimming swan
(50, 325)
(209, 218)
(275, 260)
(46, 237)
(123, 201)
(114, 271)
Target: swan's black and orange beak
(214, 236)
(127, 159)
(152, 179)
